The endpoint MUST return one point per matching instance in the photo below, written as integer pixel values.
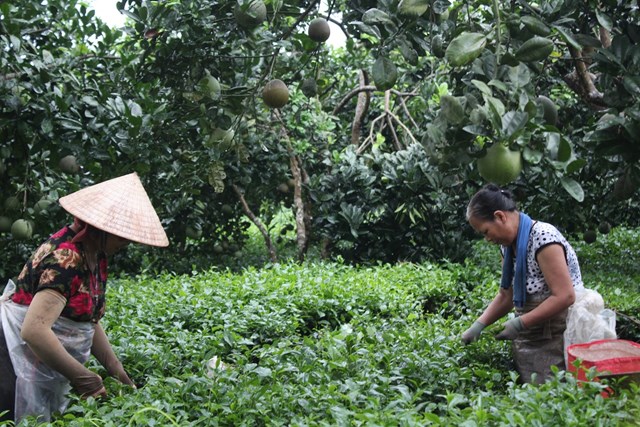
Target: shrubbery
(332, 344)
(392, 207)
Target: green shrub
(391, 207)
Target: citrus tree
(231, 110)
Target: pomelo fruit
(275, 94)
(21, 229)
(250, 14)
(589, 236)
(69, 164)
(500, 165)
(309, 87)
(319, 30)
(549, 108)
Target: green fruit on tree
(193, 232)
(452, 109)
(12, 204)
(209, 86)
(624, 187)
(222, 137)
(250, 14)
(69, 164)
(549, 108)
(283, 187)
(384, 73)
(42, 205)
(226, 209)
(22, 229)
(500, 165)
(437, 46)
(218, 249)
(589, 236)
(5, 224)
(275, 94)
(309, 87)
(319, 30)
(604, 227)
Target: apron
(40, 390)
(7, 381)
(539, 347)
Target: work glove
(511, 329)
(88, 384)
(473, 333)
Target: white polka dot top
(543, 234)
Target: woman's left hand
(511, 329)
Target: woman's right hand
(99, 394)
(473, 333)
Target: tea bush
(324, 344)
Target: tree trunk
(301, 217)
(267, 239)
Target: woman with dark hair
(50, 318)
(540, 274)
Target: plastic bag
(588, 320)
(40, 390)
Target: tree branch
(362, 106)
(368, 88)
(302, 237)
(245, 207)
(301, 18)
(582, 82)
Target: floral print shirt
(60, 265)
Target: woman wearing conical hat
(50, 319)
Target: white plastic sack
(40, 390)
(588, 320)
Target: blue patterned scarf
(520, 279)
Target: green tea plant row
(325, 344)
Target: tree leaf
(573, 188)
(575, 165)
(482, 87)
(513, 122)
(531, 156)
(604, 20)
(632, 84)
(375, 16)
(465, 48)
(413, 7)
(564, 150)
(567, 37)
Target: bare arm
(498, 308)
(43, 311)
(556, 273)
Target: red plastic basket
(611, 358)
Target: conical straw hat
(118, 206)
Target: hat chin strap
(83, 235)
